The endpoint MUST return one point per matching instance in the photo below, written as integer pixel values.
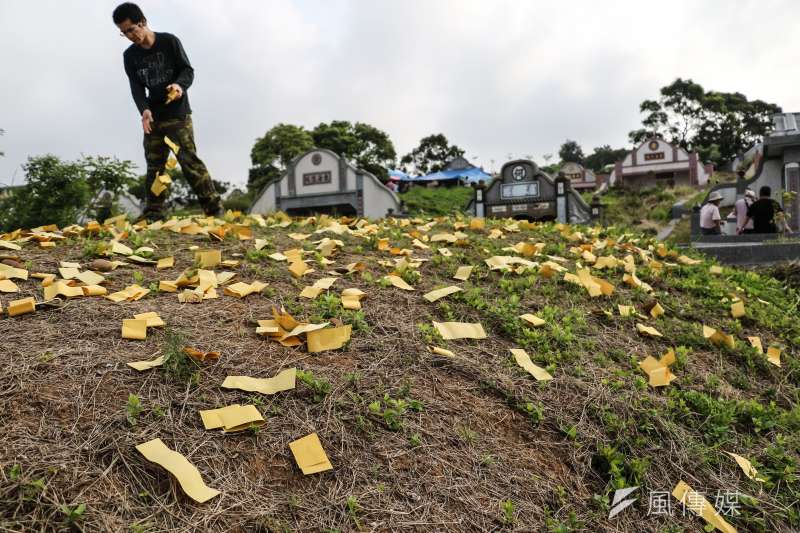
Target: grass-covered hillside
(435, 201)
(421, 432)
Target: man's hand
(174, 92)
(147, 121)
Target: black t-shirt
(155, 68)
(763, 211)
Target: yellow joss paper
(284, 380)
(524, 360)
(399, 282)
(715, 269)
(208, 258)
(441, 351)
(656, 311)
(176, 464)
(717, 337)
(21, 307)
(134, 329)
(351, 298)
(533, 320)
(626, 310)
(94, 290)
(152, 319)
(309, 455)
(746, 466)
(774, 355)
(119, 248)
(298, 268)
(232, 418)
(90, 278)
(463, 273)
(737, 309)
(697, 503)
(165, 262)
(647, 330)
(441, 293)
(460, 330)
(146, 365)
(320, 340)
(172, 146)
(755, 342)
(6, 285)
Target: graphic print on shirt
(153, 70)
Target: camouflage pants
(156, 152)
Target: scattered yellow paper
(94, 290)
(441, 293)
(658, 369)
(119, 248)
(524, 360)
(441, 351)
(90, 278)
(172, 146)
(746, 466)
(165, 262)
(309, 455)
(310, 292)
(130, 293)
(755, 342)
(460, 330)
(240, 289)
(717, 337)
(653, 332)
(697, 503)
(208, 258)
(774, 355)
(232, 418)
(321, 340)
(463, 273)
(152, 319)
(737, 309)
(68, 272)
(351, 298)
(6, 285)
(61, 288)
(284, 380)
(715, 269)
(21, 307)
(626, 310)
(185, 472)
(534, 320)
(298, 268)
(134, 329)
(399, 282)
(147, 365)
(656, 311)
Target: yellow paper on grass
(441, 351)
(260, 243)
(232, 418)
(212, 418)
(697, 503)
(10, 272)
(277, 256)
(134, 329)
(460, 330)
(755, 342)
(90, 278)
(62, 289)
(152, 318)
(647, 330)
(69, 264)
(715, 269)
(463, 273)
(298, 268)
(284, 380)
(165, 262)
(119, 248)
(167, 286)
(309, 455)
(172, 146)
(147, 365)
(399, 282)
(717, 337)
(21, 307)
(6, 285)
(774, 355)
(176, 464)
(533, 320)
(321, 340)
(94, 290)
(310, 292)
(208, 258)
(737, 309)
(10, 245)
(351, 298)
(441, 293)
(656, 311)
(746, 466)
(626, 310)
(658, 369)
(524, 360)
(68, 272)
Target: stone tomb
(321, 181)
(523, 191)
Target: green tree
(715, 124)
(62, 193)
(571, 152)
(363, 144)
(432, 154)
(273, 152)
(602, 156)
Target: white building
(656, 162)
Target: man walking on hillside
(160, 74)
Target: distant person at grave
(160, 75)
(763, 212)
(710, 220)
(740, 210)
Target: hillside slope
(417, 441)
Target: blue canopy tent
(399, 175)
(469, 175)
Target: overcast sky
(496, 77)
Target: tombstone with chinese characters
(581, 178)
(523, 191)
(320, 181)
